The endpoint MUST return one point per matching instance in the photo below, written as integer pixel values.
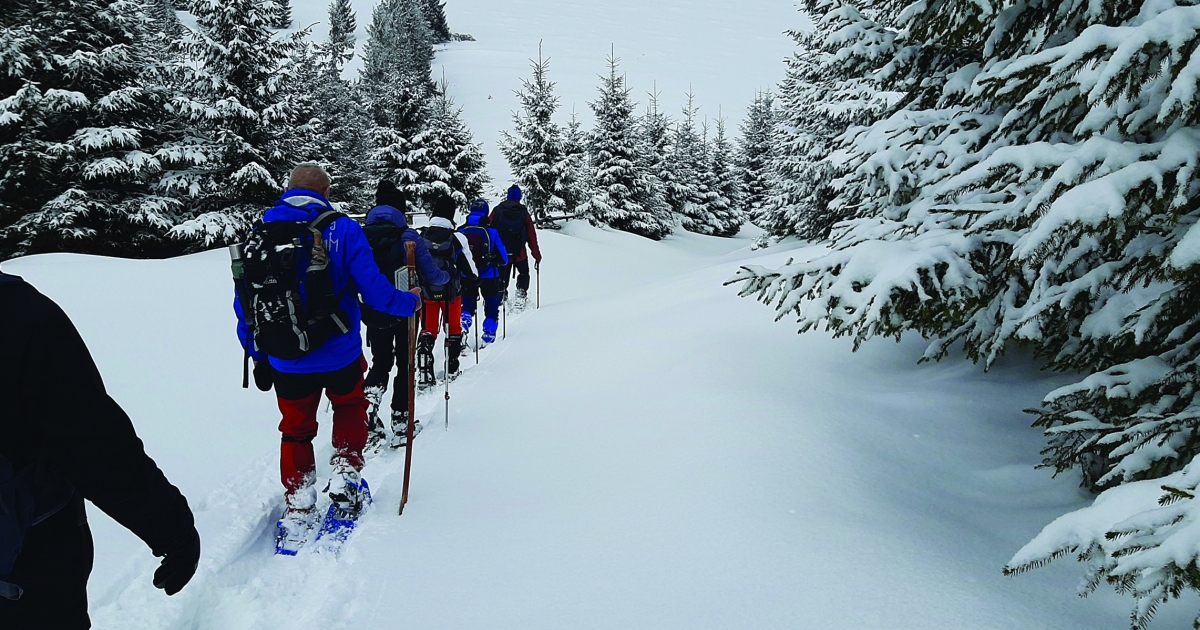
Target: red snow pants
(299, 397)
(433, 310)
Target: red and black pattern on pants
(299, 397)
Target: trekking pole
(446, 349)
(477, 325)
(504, 319)
(537, 268)
(411, 249)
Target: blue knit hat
(514, 193)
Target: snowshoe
(294, 529)
(352, 498)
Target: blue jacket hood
(387, 214)
(476, 216)
(298, 204)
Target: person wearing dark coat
(512, 220)
(61, 423)
(387, 231)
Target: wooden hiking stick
(410, 248)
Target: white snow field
(645, 451)
(723, 51)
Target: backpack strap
(324, 219)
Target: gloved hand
(179, 563)
(263, 375)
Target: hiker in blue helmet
(387, 231)
(511, 219)
(490, 255)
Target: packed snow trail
(645, 451)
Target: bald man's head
(310, 176)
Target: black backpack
(445, 249)
(27, 497)
(510, 223)
(286, 289)
(483, 250)
(387, 246)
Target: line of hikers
(301, 276)
(299, 315)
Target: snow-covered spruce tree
(687, 192)
(338, 49)
(250, 115)
(654, 151)
(163, 19)
(755, 149)
(724, 184)
(832, 86)
(621, 192)
(575, 189)
(1038, 185)
(534, 148)
(396, 82)
(81, 112)
(282, 18)
(345, 145)
(439, 29)
(443, 159)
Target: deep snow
(645, 451)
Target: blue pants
(490, 288)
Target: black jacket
(53, 398)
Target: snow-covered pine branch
(1035, 184)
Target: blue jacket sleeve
(375, 289)
(498, 243)
(428, 269)
(243, 330)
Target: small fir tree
(282, 18)
(724, 185)
(622, 194)
(443, 160)
(534, 149)
(439, 29)
(754, 155)
(250, 110)
(82, 112)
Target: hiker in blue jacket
(387, 231)
(335, 367)
(487, 248)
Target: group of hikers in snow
(367, 281)
(57, 450)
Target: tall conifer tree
(81, 112)
(622, 194)
(534, 149)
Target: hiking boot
(345, 488)
(467, 320)
(400, 429)
(521, 301)
(304, 498)
(374, 393)
(376, 434)
(294, 528)
(425, 377)
(454, 346)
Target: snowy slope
(723, 51)
(645, 451)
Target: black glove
(179, 563)
(263, 375)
